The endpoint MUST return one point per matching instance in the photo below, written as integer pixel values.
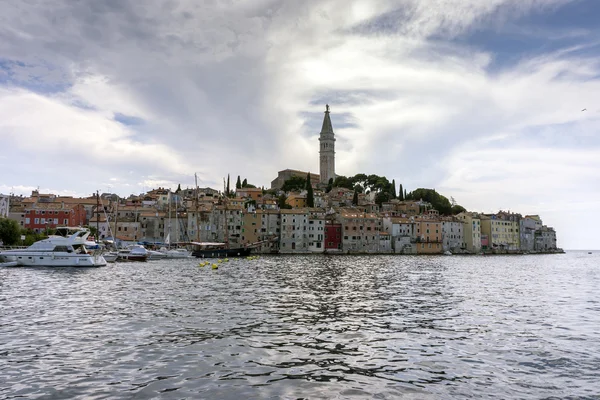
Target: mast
(97, 216)
(196, 209)
(116, 218)
(225, 200)
(176, 221)
(169, 231)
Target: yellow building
(502, 231)
(471, 231)
(251, 226)
(296, 200)
(429, 236)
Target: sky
(481, 100)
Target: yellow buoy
(215, 266)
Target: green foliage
(31, 237)
(245, 184)
(457, 209)
(238, 184)
(438, 202)
(296, 183)
(394, 189)
(329, 185)
(227, 191)
(310, 197)
(355, 197)
(10, 231)
(401, 193)
(382, 197)
(178, 188)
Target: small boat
(110, 256)
(447, 253)
(219, 250)
(175, 253)
(57, 251)
(135, 252)
(155, 255)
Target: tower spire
(327, 149)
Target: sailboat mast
(116, 218)
(169, 232)
(196, 209)
(97, 215)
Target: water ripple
(305, 327)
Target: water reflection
(312, 327)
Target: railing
(12, 247)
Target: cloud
(151, 94)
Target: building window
(66, 221)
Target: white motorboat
(110, 256)
(155, 255)
(135, 252)
(57, 251)
(176, 253)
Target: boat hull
(55, 260)
(222, 253)
(133, 257)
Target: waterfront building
(41, 216)
(471, 231)
(429, 234)
(452, 234)
(333, 236)
(502, 231)
(251, 227)
(294, 237)
(527, 226)
(403, 234)
(316, 231)
(545, 239)
(361, 231)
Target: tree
(401, 195)
(238, 184)
(178, 188)
(382, 197)
(245, 183)
(310, 197)
(404, 194)
(10, 232)
(294, 183)
(457, 209)
(329, 185)
(394, 189)
(438, 202)
(355, 198)
(227, 191)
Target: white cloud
(241, 88)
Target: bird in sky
(583, 109)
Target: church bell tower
(327, 149)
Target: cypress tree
(227, 191)
(329, 185)
(355, 198)
(393, 188)
(245, 183)
(310, 198)
(401, 193)
(238, 184)
(405, 195)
